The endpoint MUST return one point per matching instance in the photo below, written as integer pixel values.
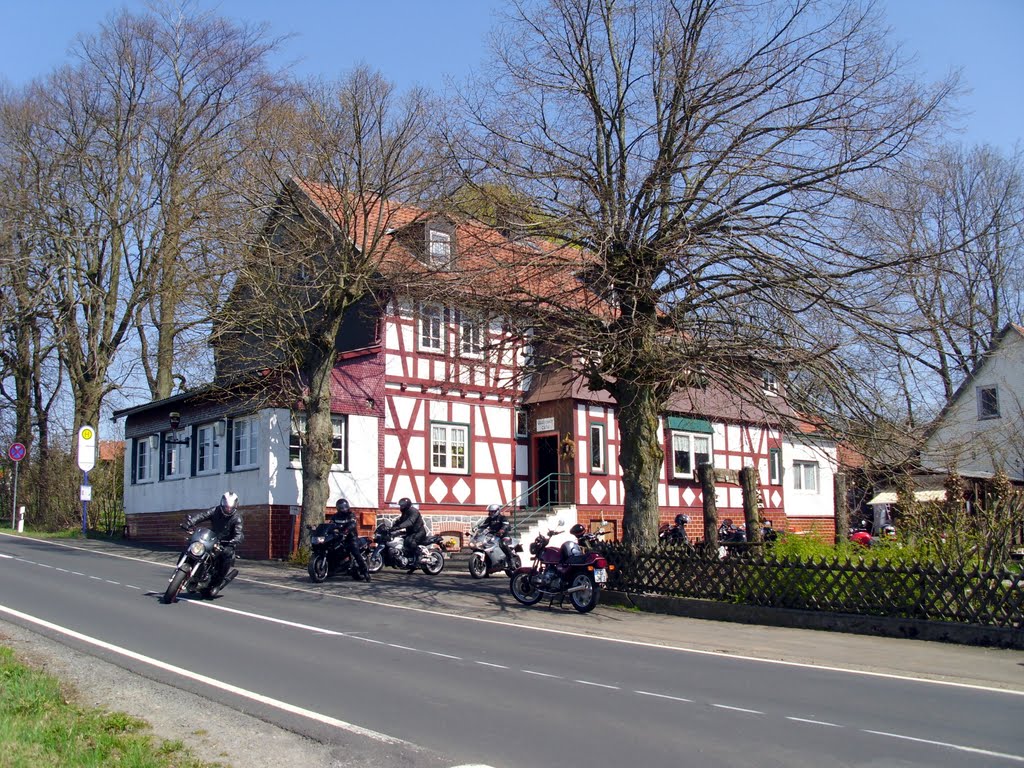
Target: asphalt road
(445, 671)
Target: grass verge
(40, 726)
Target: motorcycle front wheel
(174, 587)
(523, 590)
(477, 565)
(436, 564)
(584, 600)
(317, 568)
(374, 561)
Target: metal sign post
(86, 461)
(15, 453)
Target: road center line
(597, 685)
(812, 722)
(664, 696)
(738, 709)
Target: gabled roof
(1010, 329)
(488, 262)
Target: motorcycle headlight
(317, 539)
(196, 549)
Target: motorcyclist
(411, 521)
(498, 526)
(677, 533)
(226, 524)
(350, 531)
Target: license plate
(601, 576)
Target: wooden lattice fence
(920, 591)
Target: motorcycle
(487, 556)
(195, 571)
(389, 549)
(562, 571)
(329, 554)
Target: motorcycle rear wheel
(477, 565)
(436, 564)
(585, 600)
(374, 561)
(523, 590)
(174, 587)
(317, 568)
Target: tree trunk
(751, 513)
(842, 515)
(706, 473)
(317, 453)
(642, 462)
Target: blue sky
(421, 41)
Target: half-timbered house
(434, 398)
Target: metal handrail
(515, 509)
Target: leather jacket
(412, 521)
(228, 530)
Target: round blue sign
(16, 452)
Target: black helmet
(404, 504)
(229, 503)
(343, 509)
(577, 530)
(682, 519)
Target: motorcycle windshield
(204, 535)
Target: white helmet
(492, 510)
(229, 503)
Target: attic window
(988, 402)
(769, 382)
(439, 247)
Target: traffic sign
(86, 448)
(16, 452)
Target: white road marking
(550, 630)
(664, 696)
(597, 685)
(444, 655)
(252, 695)
(959, 747)
(489, 664)
(7, 557)
(813, 722)
(539, 674)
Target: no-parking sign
(16, 452)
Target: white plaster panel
(461, 413)
(522, 459)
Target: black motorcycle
(389, 550)
(197, 567)
(329, 553)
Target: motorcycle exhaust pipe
(580, 588)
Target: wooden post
(842, 514)
(706, 473)
(751, 513)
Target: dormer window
(439, 247)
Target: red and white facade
(431, 403)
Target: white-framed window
(769, 382)
(207, 450)
(339, 440)
(775, 466)
(175, 456)
(449, 448)
(145, 459)
(597, 448)
(805, 476)
(245, 440)
(471, 336)
(440, 248)
(988, 402)
(430, 335)
(689, 451)
(522, 422)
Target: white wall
(805, 503)
(274, 480)
(975, 446)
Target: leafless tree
(962, 212)
(702, 159)
(340, 159)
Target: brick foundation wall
(269, 531)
